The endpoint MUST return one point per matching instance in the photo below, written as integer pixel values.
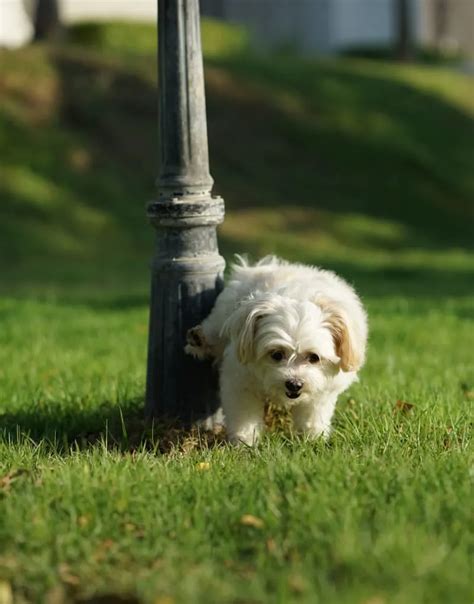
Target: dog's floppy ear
(241, 327)
(349, 344)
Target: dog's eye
(277, 355)
(313, 358)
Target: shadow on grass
(115, 428)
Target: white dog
(284, 333)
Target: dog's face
(292, 347)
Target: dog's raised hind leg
(197, 344)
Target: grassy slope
(364, 167)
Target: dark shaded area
(118, 428)
(65, 427)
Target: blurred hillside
(362, 166)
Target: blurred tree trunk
(47, 22)
(403, 30)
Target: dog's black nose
(294, 386)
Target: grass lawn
(361, 166)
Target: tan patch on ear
(338, 324)
(342, 341)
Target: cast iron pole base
(187, 275)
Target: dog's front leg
(314, 419)
(242, 404)
(243, 417)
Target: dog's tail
(243, 265)
(242, 261)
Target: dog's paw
(247, 435)
(196, 344)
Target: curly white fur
(291, 334)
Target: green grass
(364, 167)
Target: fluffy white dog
(291, 334)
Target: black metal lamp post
(187, 268)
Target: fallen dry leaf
(203, 465)
(164, 600)
(403, 406)
(71, 580)
(102, 549)
(253, 521)
(56, 595)
(7, 480)
(137, 531)
(67, 576)
(296, 583)
(271, 546)
(375, 600)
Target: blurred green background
(362, 166)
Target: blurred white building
(333, 25)
(308, 25)
(312, 25)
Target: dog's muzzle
(293, 388)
